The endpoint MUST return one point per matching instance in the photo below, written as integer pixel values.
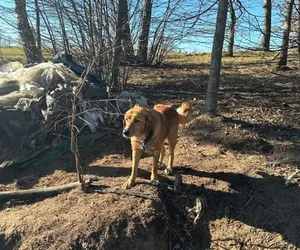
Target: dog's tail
(185, 113)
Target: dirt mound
(87, 221)
(142, 218)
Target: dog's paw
(155, 183)
(168, 171)
(161, 166)
(128, 184)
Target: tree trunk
(267, 5)
(26, 33)
(286, 34)
(144, 35)
(231, 29)
(117, 46)
(126, 34)
(38, 29)
(216, 57)
(298, 10)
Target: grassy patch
(9, 54)
(16, 53)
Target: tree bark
(231, 29)
(144, 35)
(298, 10)
(38, 29)
(286, 34)
(267, 5)
(216, 58)
(115, 75)
(126, 34)
(26, 33)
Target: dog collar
(148, 138)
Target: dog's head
(137, 122)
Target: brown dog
(148, 129)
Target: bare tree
(117, 46)
(43, 15)
(286, 34)
(216, 58)
(59, 10)
(100, 30)
(298, 31)
(231, 28)
(126, 34)
(267, 5)
(26, 33)
(38, 29)
(144, 35)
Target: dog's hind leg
(136, 156)
(154, 177)
(161, 157)
(172, 139)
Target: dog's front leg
(154, 177)
(136, 156)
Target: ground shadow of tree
(248, 137)
(27, 177)
(269, 131)
(262, 202)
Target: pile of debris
(33, 98)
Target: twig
(289, 179)
(199, 208)
(177, 182)
(74, 142)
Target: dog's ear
(148, 123)
(124, 123)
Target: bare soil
(236, 162)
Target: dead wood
(37, 193)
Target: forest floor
(236, 163)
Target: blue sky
(198, 42)
(246, 36)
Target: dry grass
(16, 53)
(9, 54)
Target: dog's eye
(135, 120)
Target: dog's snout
(125, 132)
